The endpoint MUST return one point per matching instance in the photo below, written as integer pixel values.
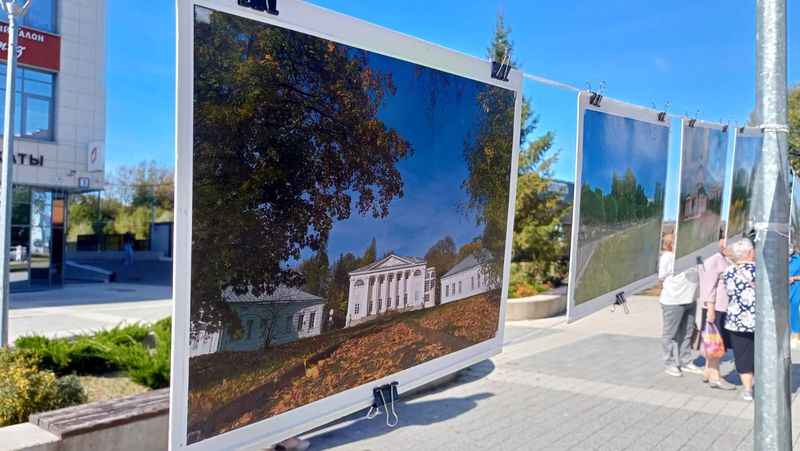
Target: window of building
(288, 324)
(459, 287)
(41, 15)
(311, 320)
(359, 283)
(426, 298)
(369, 307)
(299, 322)
(380, 304)
(472, 283)
(453, 288)
(405, 299)
(356, 308)
(418, 273)
(479, 279)
(33, 103)
(447, 290)
(249, 329)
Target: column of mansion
(393, 284)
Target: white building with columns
(466, 279)
(392, 284)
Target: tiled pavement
(594, 384)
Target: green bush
(112, 350)
(25, 390)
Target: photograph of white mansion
(286, 315)
(467, 278)
(392, 284)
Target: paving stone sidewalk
(594, 384)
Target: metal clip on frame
(270, 6)
(596, 97)
(501, 69)
(620, 300)
(662, 115)
(699, 260)
(380, 394)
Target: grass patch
(102, 388)
(620, 259)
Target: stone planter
(542, 305)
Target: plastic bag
(713, 346)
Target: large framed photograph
(746, 156)
(620, 175)
(704, 151)
(345, 208)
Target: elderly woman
(677, 307)
(740, 282)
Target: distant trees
(626, 202)
(132, 191)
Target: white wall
(469, 285)
(80, 101)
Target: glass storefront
(37, 238)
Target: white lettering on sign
(4, 48)
(23, 33)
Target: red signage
(34, 48)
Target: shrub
(24, 389)
(106, 351)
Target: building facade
(467, 278)
(286, 315)
(60, 120)
(393, 284)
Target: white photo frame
(690, 260)
(305, 18)
(613, 107)
(732, 235)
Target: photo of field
(624, 166)
(349, 218)
(702, 178)
(746, 155)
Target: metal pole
(14, 11)
(770, 211)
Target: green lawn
(620, 259)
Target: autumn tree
(287, 141)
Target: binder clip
(381, 395)
(270, 6)
(662, 116)
(596, 97)
(619, 299)
(501, 69)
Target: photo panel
(746, 156)
(794, 219)
(620, 179)
(348, 221)
(704, 151)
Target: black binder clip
(741, 129)
(270, 6)
(662, 115)
(619, 299)
(384, 396)
(693, 120)
(699, 260)
(501, 69)
(724, 129)
(596, 97)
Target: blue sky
(695, 55)
(612, 144)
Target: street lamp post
(14, 10)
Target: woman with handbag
(740, 321)
(678, 309)
(714, 299)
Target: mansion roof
(281, 294)
(392, 261)
(464, 265)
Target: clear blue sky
(696, 55)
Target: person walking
(714, 300)
(740, 320)
(678, 310)
(127, 247)
(794, 295)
